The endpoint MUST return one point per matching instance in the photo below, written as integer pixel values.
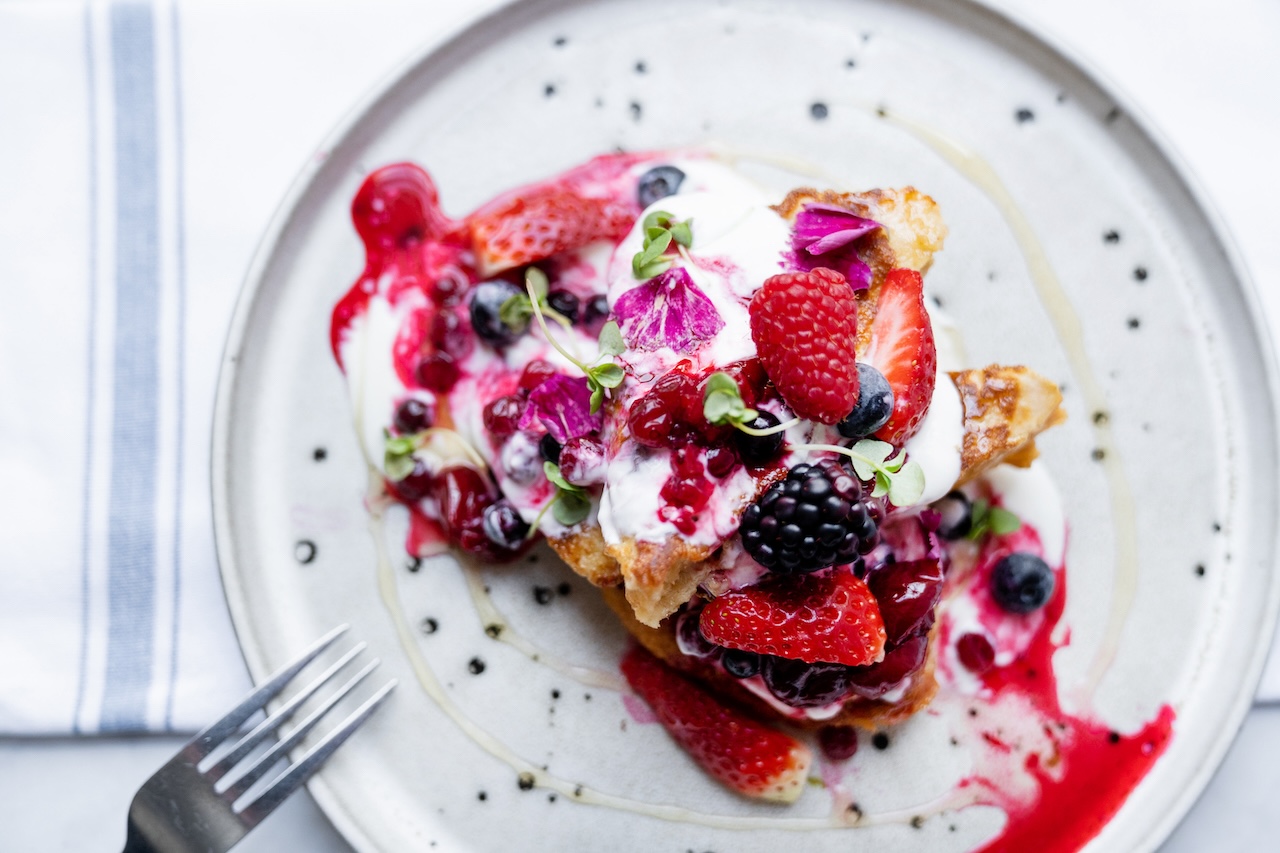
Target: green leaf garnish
(987, 519)
(722, 401)
(661, 229)
(570, 508)
(600, 376)
(611, 343)
(571, 503)
(900, 478)
(397, 458)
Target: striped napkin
(145, 146)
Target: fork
(196, 803)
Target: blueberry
(875, 404)
(549, 448)
(595, 313)
(564, 303)
(1022, 583)
(759, 450)
(957, 515)
(414, 415)
(486, 305)
(658, 182)
(503, 525)
(740, 664)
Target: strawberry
(590, 202)
(804, 325)
(830, 617)
(902, 348)
(741, 753)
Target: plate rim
(1030, 33)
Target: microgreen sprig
(722, 403)
(398, 454)
(571, 504)
(605, 374)
(661, 229)
(900, 478)
(985, 518)
(516, 312)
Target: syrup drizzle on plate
(1082, 770)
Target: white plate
(1155, 328)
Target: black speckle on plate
(525, 781)
(818, 110)
(1112, 237)
(1134, 322)
(1024, 115)
(564, 588)
(549, 90)
(880, 740)
(1100, 418)
(1139, 273)
(414, 565)
(1112, 115)
(1200, 570)
(482, 796)
(542, 594)
(641, 68)
(429, 625)
(559, 41)
(319, 454)
(637, 111)
(849, 63)
(1098, 454)
(475, 666)
(304, 551)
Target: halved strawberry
(828, 617)
(743, 754)
(902, 348)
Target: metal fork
(187, 807)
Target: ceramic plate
(1076, 246)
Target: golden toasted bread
(1005, 408)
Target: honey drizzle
(1070, 334)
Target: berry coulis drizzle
(1092, 769)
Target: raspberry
(804, 325)
(813, 519)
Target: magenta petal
(667, 310)
(840, 239)
(563, 406)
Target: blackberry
(813, 519)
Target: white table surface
(1206, 74)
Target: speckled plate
(1076, 246)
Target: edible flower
(667, 310)
(825, 235)
(562, 405)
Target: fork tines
(236, 770)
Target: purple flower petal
(563, 406)
(667, 310)
(824, 235)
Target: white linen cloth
(143, 148)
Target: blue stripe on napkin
(131, 535)
(91, 369)
(181, 355)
